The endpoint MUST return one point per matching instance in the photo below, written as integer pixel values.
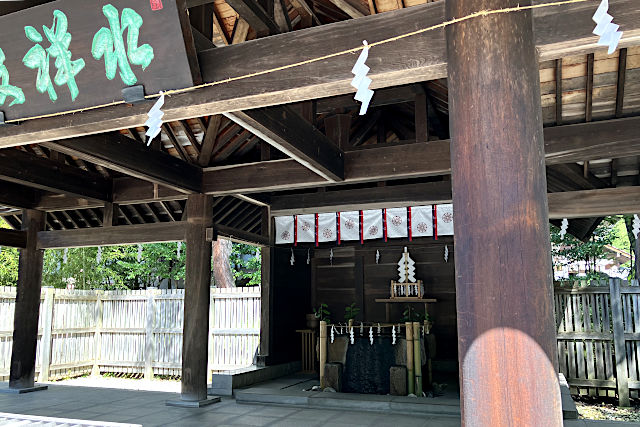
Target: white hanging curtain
(327, 227)
(396, 222)
(306, 228)
(372, 224)
(284, 229)
(422, 221)
(350, 225)
(445, 220)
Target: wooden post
(410, 366)
(149, 341)
(619, 344)
(323, 350)
(196, 302)
(504, 294)
(25, 323)
(97, 338)
(47, 329)
(266, 302)
(417, 358)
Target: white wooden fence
(137, 332)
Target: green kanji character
(5, 88)
(38, 57)
(110, 44)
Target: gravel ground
(170, 386)
(606, 409)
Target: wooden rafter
(259, 19)
(284, 129)
(117, 152)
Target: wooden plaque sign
(71, 54)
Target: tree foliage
(123, 267)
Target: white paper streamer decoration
(351, 335)
(361, 81)
(393, 335)
(139, 253)
(422, 221)
(350, 225)
(308, 256)
(379, 329)
(361, 329)
(372, 224)
(154, 122)
(636, 226)
(306, 228)
(371, 334)
(331, 256)
(563, 227)
(397, 222)
(179, 249)
(327, 227)
(99, 255)
(64, 255)
(333, 330)
(605, 28)
(292, 260)
(284, 229)
(446, 253)
(377, 257)
(445, 220)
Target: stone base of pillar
(193, 403)
(36, 387)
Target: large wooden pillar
(197, 285)
(25, 323)
(508, 366)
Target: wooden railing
(598, 336)
(136, 332)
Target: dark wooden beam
(209, 140)
(239, 236)
(284, 129)
(338, 130)
(116, 235)
(25, 321)
(558, 91)
(589, 101)
(13, 238)
(19, 196)
(363, 198)
(594, 203)
(622, 73)
(33, 171)
(592, 141)
(252, 12)
(168, 130)
(196, 297)
(499, 194)
(554, 37)
(421, 124)
(119, 153)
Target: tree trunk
(221, 267)
(633, 245)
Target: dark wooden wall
(355, 277)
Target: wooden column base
(23, 390)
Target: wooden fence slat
(619, 343)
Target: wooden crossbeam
(13, 238)
(554, 39)
(364, 198)
(239, 236)
(33, 171)
(594, 203)
(19, 196)
(105, 236)
(284, 129)
(122, 154)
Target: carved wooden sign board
(71, 54)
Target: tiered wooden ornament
(407, 286)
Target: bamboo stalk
(409, 335)
(323, 351)
(417, 358)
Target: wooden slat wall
(585, 322)
(111, 331)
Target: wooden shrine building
(517, 118)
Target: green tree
(8, 262)
(570, 249)
(246, 264)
